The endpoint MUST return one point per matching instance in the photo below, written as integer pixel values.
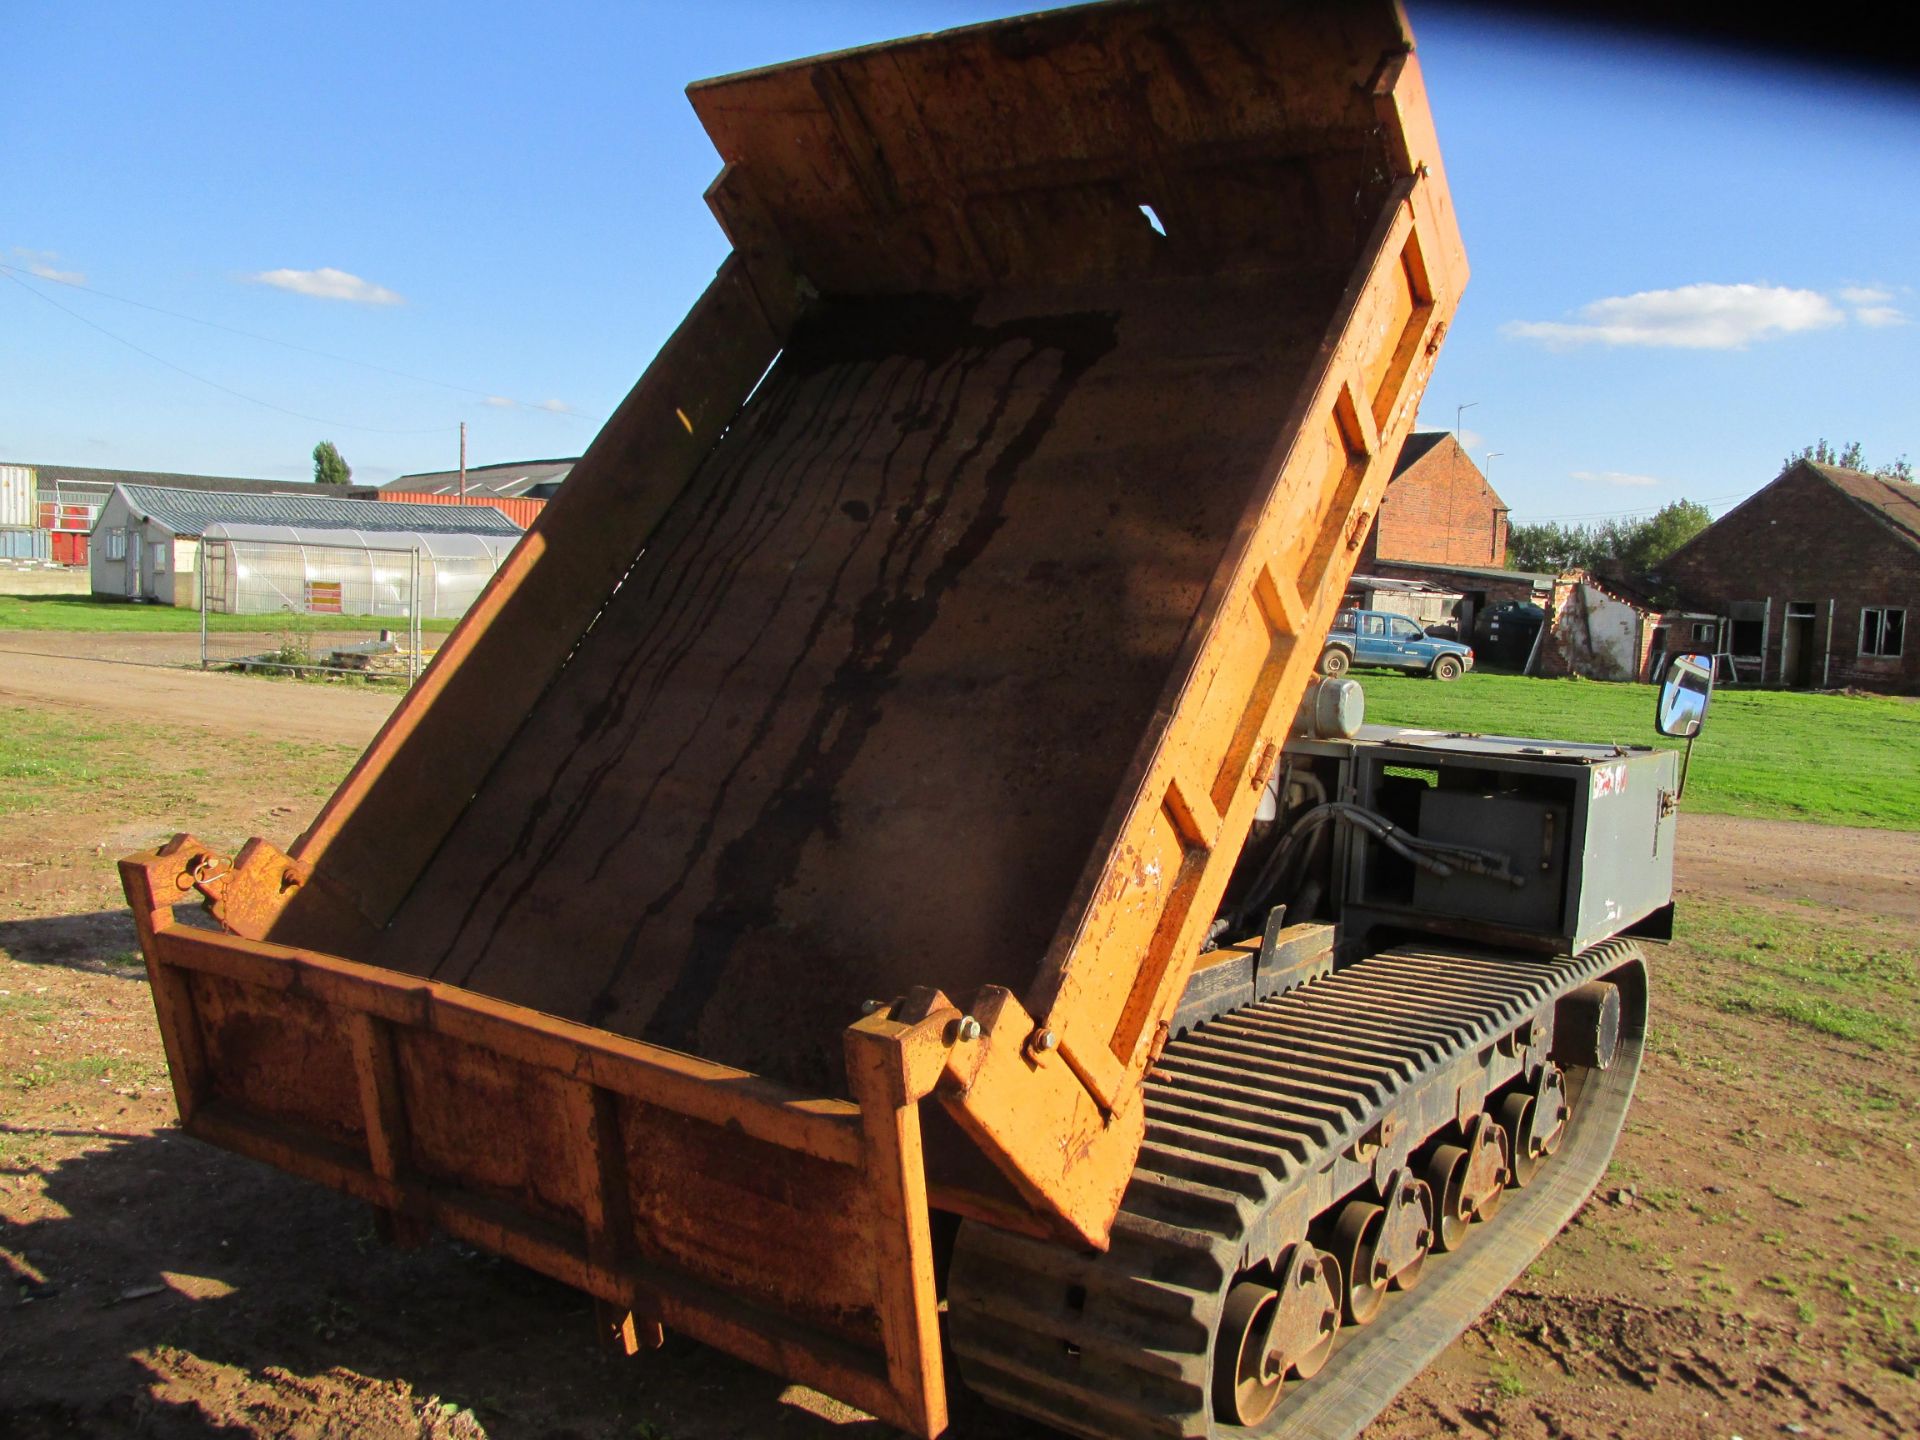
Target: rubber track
(1120, 1344)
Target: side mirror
(1684, 696)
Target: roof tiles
(1896, 501)
(189, 512)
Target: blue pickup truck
(1374, 637)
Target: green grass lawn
(83, 612)
(1837, 759)
(52, 762)
(1856, 982)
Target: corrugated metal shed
(90, 484)
(520, 510)
(536, 479)
(190, 512)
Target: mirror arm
(1686, 759)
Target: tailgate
(789, 1231)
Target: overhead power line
(7, 272)
(1710, 501)
(20, 277)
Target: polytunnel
(258, 569)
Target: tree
(329, 466)
(1630, 546)
(1851, 456)
(1550, 547)
(1643, 546)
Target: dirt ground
(101, 678)
(1783, 861)
(1751, 1266)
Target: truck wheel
(1334, 661)
(1447, 667)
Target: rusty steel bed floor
(853, 720)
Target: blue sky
(1682, 268)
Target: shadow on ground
(101, 941)
(176, 1290)
(161, 1287)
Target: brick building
(1819, 572)
(1438, 510)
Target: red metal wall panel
(65, 517)
(522, 512)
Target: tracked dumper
(868, 885)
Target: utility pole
(463, 462)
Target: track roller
(1469, 1180)
(1407, 1232)
(1380, 1244)
(1356, 1245)
(1534, 1120)
(1268, 1335)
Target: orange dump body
(918, 631)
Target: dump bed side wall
(1251, 654)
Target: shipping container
(17, 497)
(69, 548)
(25, 544)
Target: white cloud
(1692, 317)
(1873, 307)
(551, 407)
(1471, 439)
(327, 283)
(1615, 477)
(40, 262)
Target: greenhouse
(256, 569)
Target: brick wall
(1439, 510)
(1802, 540)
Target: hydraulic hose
(1437, 859)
